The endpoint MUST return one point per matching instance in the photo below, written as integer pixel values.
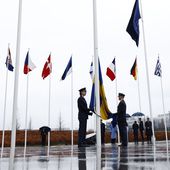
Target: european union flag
(133, 25)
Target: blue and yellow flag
(104, 110)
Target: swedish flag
(104, 110)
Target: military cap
(82, 89)
(121, 94)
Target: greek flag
(158, 71)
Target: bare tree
(17, 124)
(60, 123)
(30, 124)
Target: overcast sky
(65, 28)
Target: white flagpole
(15, 98)
(118, 132)
(163, 105)
(4, 118)
(72, 140)
(138, 87)
(92, 76)
(26, 110)
(147, 75)
(96, 64)
(139, 95)
(49, 112)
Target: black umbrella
(127, 115)
(44, 129)
(138, 114)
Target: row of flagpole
(15, 98)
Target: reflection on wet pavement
(111, 157)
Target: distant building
(159, 121)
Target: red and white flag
(111, 70)
(47, 68)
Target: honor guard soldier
(121, 119)
(83, 112)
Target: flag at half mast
(68, 69)
(9, 61)
(133, 70)
(28, 64)
(47, 68)
(104, 110)
(158, 70)
(111, 70)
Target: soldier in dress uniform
(121, 119)
(83, 113)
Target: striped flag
(158, 70)
(9, 61)
(28, 64)
(68, 69)
(104, 110)
(133, 70)
(111, 70)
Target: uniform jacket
(83, 109)
(121, 113)
(141, 126)
(148, 128)
(135, 128)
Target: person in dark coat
(135, 128)
(102, 132)
(141, 129)
(121, 119)
(43, 138)
(148, 130)
(83, 112)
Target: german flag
(133, 70)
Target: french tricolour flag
(68, 69)
(111, 70)
(28, 65)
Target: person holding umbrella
(83, 112)
(44, 132)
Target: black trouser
(141, 133)
(113, 141)
(149, 138)
(43, 139)
(135, 137)
(123, 135)
(82, 131)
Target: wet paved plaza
(111, 157)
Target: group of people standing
(84, 112)
(140, 128)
